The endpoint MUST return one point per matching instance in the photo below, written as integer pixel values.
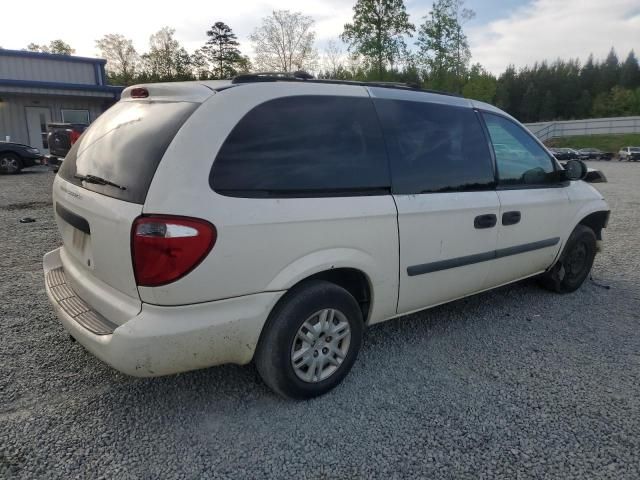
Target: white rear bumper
(164, 340)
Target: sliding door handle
(510, 218)
(485, 221)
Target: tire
(10, 163)
(575, 263)
(281, 340)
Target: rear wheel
(575, 263)
(310, 341)
(10, 163)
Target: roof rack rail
(271, 76)
(306, 77)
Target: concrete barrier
(591, 126)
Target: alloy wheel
(9, 164)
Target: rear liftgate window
(304, 146)
(124, 146)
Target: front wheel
(10, 163)
(575, 263)
(310, 341)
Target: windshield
(124, 146)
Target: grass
(607, 143)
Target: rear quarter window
(124, 146)
(304, 146)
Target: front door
(534, 204)
(443, 185)
(37, 120)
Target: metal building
(39, 88)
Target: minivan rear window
(124, 146)
(303, 146)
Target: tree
(443, 46)
(333, 59)
(602, 105)
(60, 47)
(481, 85)
(630, 72)
(609, 72)
(506, 89)
(222, 50)
(121, 56)
(166, 60)
(548, 106)
(377, 32)
(530, 105)
(589, 75)
(284, 42)
(623, 101)
(583, 105)
(57, 46)
(200, 64)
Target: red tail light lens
(166, 248)
(74, 136)
(139, 92)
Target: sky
(517, 32)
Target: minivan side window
(519, 158)
(435, 148)
(304, 146)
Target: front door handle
(510, 218)
(485, 221)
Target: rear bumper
(164, 340)
(53, 160)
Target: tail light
(74, 136)
(139, 92)
(166, 248)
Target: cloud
(549, 29)
(541, 29)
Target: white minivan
(273, 219)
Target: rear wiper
(98, 181)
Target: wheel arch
(596, 221)
(2, 152)
(352, 269)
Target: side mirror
(575, 170)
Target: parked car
(274, 219)
(16, 156)
(61, 137)
(594, 154)
(630, 154)
(564, 153)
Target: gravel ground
(515, 383)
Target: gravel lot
(516, 383)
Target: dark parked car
(564, 153)
(61, 137)
(16, 156)
(594, 154)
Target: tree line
(381, 44)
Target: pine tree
(548, 106)
(630, 72)
(222, 50)
(609, 74)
